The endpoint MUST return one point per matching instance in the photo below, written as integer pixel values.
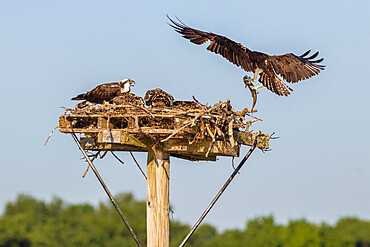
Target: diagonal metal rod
(220, 192)
(106, 190)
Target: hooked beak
(132, 83)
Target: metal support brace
(220, 192)
(106, 190)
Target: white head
(125, 85)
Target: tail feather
(79, 97)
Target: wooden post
(157, 207)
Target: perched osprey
(106, 92)
(290, 67)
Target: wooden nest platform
(186, 129)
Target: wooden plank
(218, 148)
(90, 144)
(119, 140)
(62, 122)
(247, 138)
(176, 147)
(194, 157)
(109, 136)
(158, 171)
(78, 130)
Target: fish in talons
(254, 90)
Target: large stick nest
(183, 119)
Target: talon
(256, 88)
(247, 81)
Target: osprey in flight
(106, 92)
(290, 67)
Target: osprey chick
(158, 97)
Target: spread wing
(273, 83)
(232, 51)
(290, 67)
(293, 68)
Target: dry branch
(137, 164)
(50, 135)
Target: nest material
(84, 104)
(164, 120)
(128, 98)
(125, 120)
(187, 105)
(158, 97)
(184, 119)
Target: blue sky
(318, 169)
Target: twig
(213, 135)
(94, 156)
(192, 122)
(50, 135)
(176, 131)
(66, 109)
(249, 115)
(128, 104)
(219, 132)
(137, 164)
(142, 108)
(115, 156)
(210, 133)
(103, 154)
(252, 121)
(275, 137)
(87, 169)
(209, 149)
(198, 101)
(231, 133)
(195, 138)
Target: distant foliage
(29, 222)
